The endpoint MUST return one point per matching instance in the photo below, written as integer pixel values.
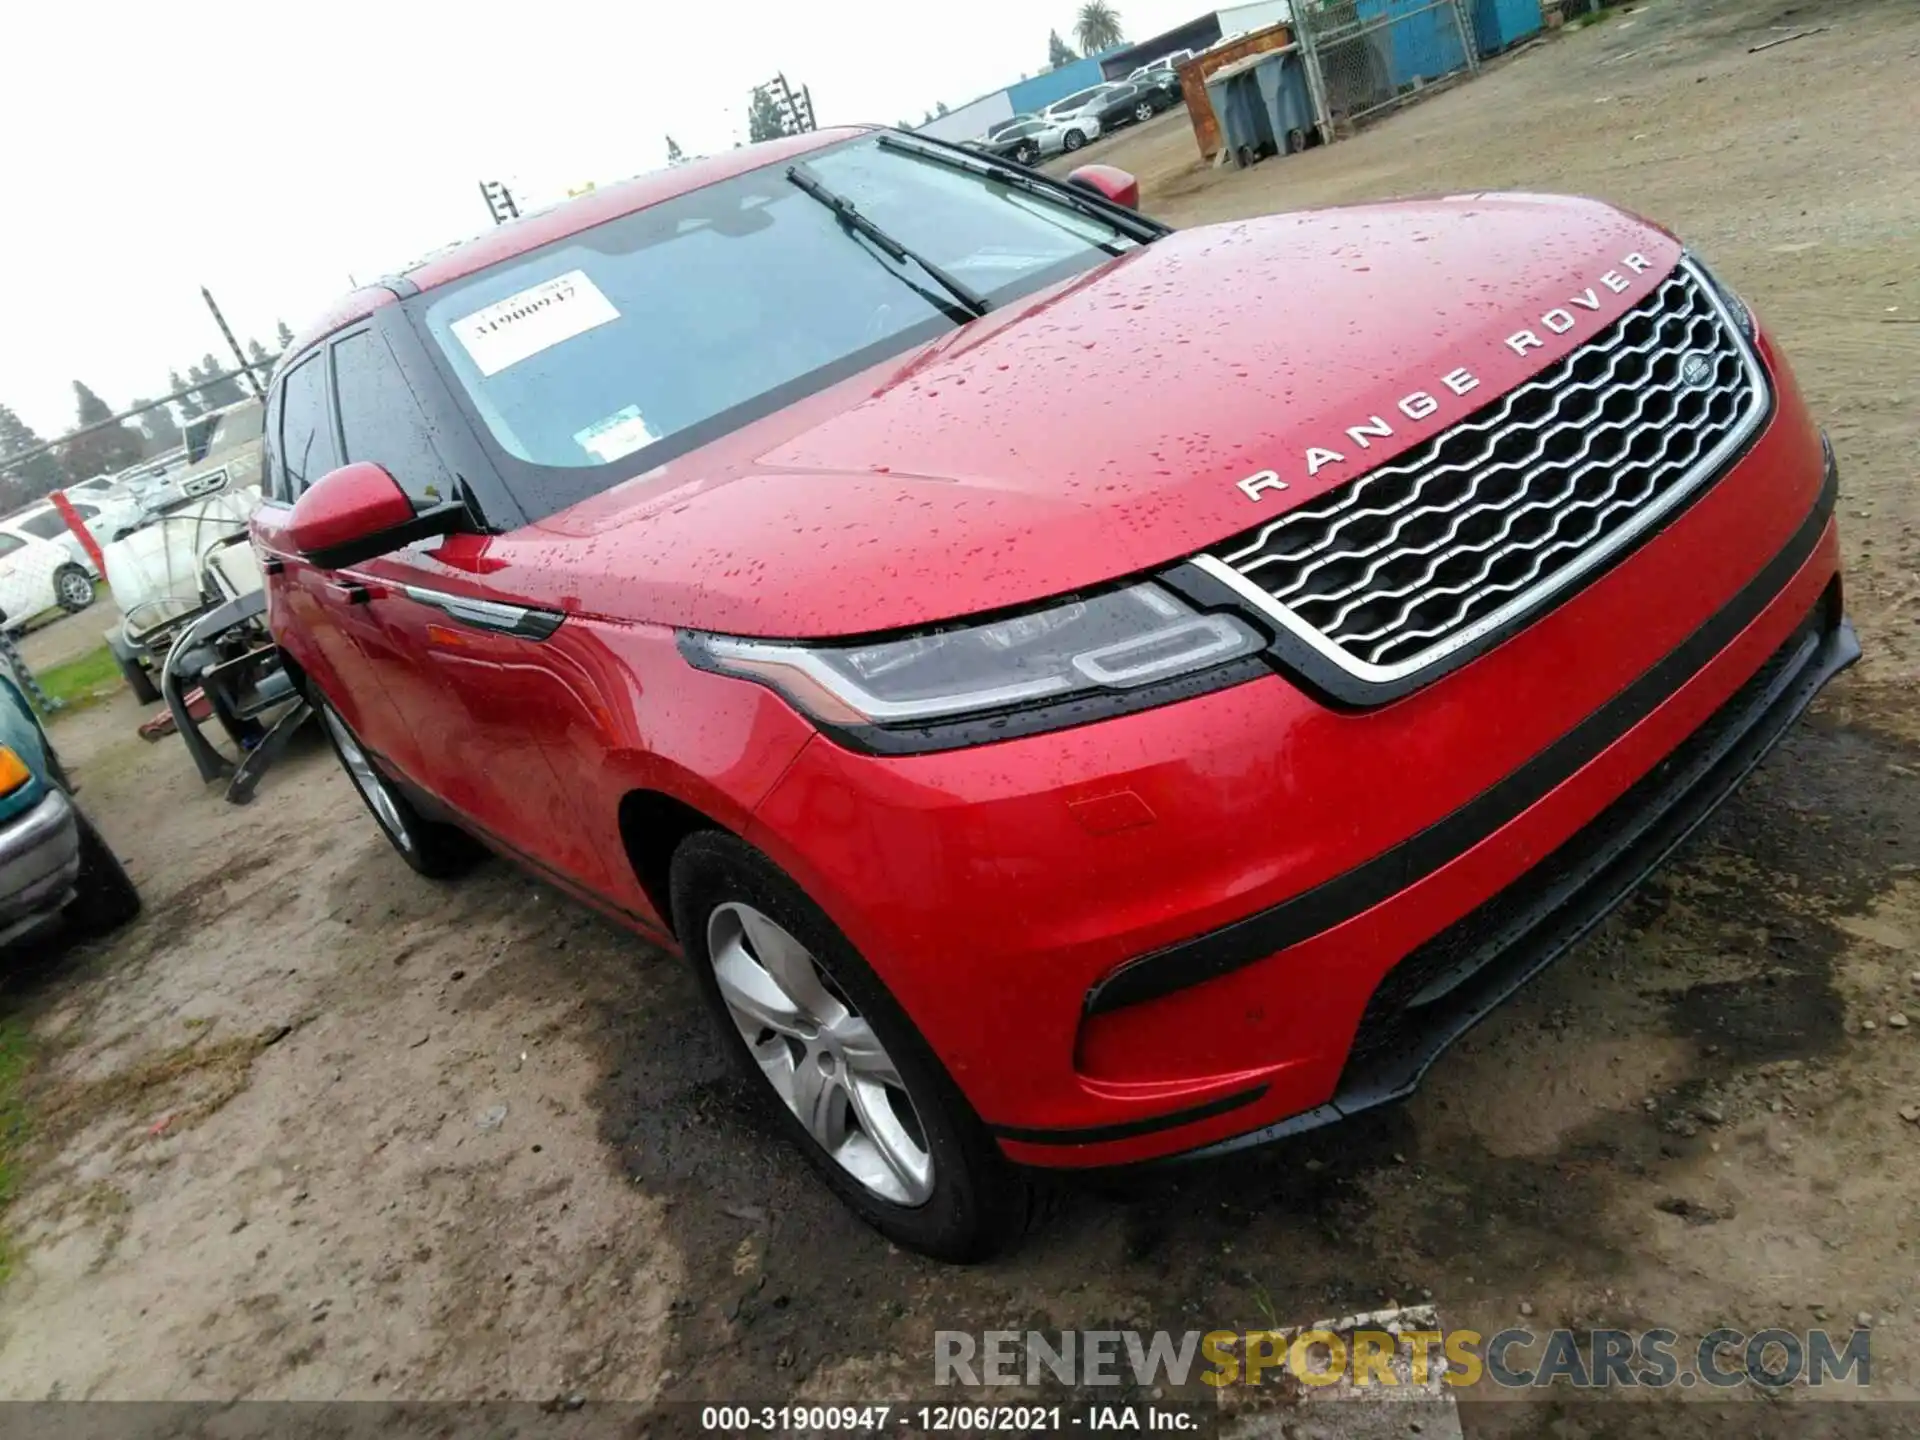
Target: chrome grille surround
(1412, 562)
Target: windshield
(669, 326)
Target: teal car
(55, 870)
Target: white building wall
(971, 119)
(1256, 16)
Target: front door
(464, 663)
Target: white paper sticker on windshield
(621, 433)
(534, 320)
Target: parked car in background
(1167, 64)
(1043, 756)
(55, 870)
(1128, 101)
(35, 576)
(1078, 108)
(1029, 138)
(107, 518)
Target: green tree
(1058, 51)
(262, 361)
(158, 426)
(763, 116)
(1097, 27)
(215, 392)
(283, 335)
(99, 452)
(674, 153)
(26, 479)
(190, 408)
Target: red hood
(1101, 427)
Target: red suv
(1076, 692)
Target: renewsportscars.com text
(1514, 1358)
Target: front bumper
(39, 866)
(1446, 986)
(1220, 918)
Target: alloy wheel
(76, 590)
(1143, 111)
(360, 770)
(819, 1054)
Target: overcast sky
(273, 151)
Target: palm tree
(1097, 28)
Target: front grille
(1492, 517)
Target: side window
(46, 524)
(381, 420)
(307, 449)
(10, 543)
(86, 512)
(273, 477)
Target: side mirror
(1108, 180)
(359, 511)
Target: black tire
(1073, 140)
(138, 680)
(105, 897)
(68, 581)
(1026, 154)
(979, 1204)
(436, 850)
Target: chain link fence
(1367, 56)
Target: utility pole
(796, 111)
(239, 355)
(499, 201)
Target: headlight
(1736, 307)
(1112, 644)
(13, 771)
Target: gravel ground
(316, 1128)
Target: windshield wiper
(971, 300)
(1135, 227)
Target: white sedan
(36, 575)
(108, 517)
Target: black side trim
(432, 807)
(1335, 901)
(1127, 1129)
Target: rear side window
(307, 449)
(380, 419)
(10, 543)
(45, 523)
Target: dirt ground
(317, 1128)
(58, 638)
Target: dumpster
(1501, 24)
(1263, 105)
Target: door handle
(348, 592)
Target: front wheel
(72, 588)
(104, 895)
(850, 1080)
(436, 850)
(1026, 154)
(1073, 140)
(1143, 111)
